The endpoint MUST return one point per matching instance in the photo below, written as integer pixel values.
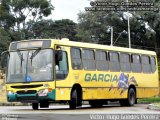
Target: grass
(158, 104)
(150, 100)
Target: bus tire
(136, 102)
(35, 106)
(131, 100)
(74, 99)
(131, 97)
(44, 104)
(79, 98)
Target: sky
(68, 9)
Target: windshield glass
(30, 66)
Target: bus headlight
(10, 92)
(43, 92)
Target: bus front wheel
(35, 106)
(74, 99)
(44, 104)
(131, 100)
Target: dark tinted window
(76, 58)
(114, 61)
(136, 64)
(153, 64)
(88, 59)
(62, 67)
(101, 60)
(88, 54)
(146, 67)
(125, 62)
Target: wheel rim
(132, 98)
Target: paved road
(59, 112)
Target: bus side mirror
(58, 55)
(4, 59)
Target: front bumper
(14, 97)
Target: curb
(154, 107)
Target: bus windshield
(30, 66)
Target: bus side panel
(147, 85)
(102, 85)
(63, 93)
(103, 93)
(105, 84)
(147, 92)
(108, 88)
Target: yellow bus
(45, 71)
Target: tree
(4, 39)
(64, 28)
(95, 27)
(17, 16)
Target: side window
(114, 61)
(101, 60)
(146, 67)
(62, 67)
(88, 59)
(136, 64)
(76, 58)
(153, 64)
(125, 62)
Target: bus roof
(66, 42)
(102, 47)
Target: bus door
(61, 65)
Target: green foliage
(144, 26)
(23, 19)
(64, 28)
(4, 39)
(149, 100)
(18, 16)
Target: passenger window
(114, 61)
(62, 67)
(88, 59)
(146, 67)
(101, 60)
(125, 62)
(136, 64)
(153, 64)
(76, 58)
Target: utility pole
(111, 28)
(129, 37)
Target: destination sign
(29, 44)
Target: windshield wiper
(20, 56)
(34, 54)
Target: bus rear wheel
(74, 99)
(35, 106)
(131, 100)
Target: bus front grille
(27, 98)
(26, 92)
(27, 86)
